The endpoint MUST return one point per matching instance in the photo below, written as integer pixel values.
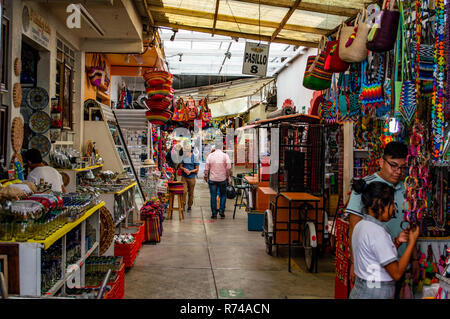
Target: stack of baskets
(159, 96)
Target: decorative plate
(17, 95)
(41, 143)
(17, 134)
(107, 230)
(40, 122)
(37, 98)
(17, 66)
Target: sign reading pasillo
(256, 57)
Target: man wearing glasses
(393, 168)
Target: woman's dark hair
(376, 195)
(396, 150)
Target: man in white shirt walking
(217, 172)
(40, 170)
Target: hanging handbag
(386, 33)
(179, 114)
(327, 109)
(353, 39)
(354, 102)
(315, 77)
(371, 91)
(96, 71)
(405, 90)
(192, 112)
(343, 97)
(332, 61)
(205, 111)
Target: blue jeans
(218, 188)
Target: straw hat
(149, 163)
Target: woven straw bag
(353, 40)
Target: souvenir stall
(384, 78)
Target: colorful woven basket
(162, 104)
(158, 117)
(176, 187)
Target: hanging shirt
(355, 206)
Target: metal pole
(101, 292)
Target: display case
(48, 266)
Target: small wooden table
(252, 180)
(304, 198)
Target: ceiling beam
(227, 18)
(215, 16)
(149, 14)
(237, 34)
(285, 20)
(314, 7)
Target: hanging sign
(256, 57)
(36, 27)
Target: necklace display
(438, 101)
(416, 184)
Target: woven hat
(149, 163)
(158, 117)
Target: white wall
(289, 83)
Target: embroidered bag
(179, 114)
(315, 77)
(96, 71)
(371, 91)
(343, 97)
(192, 112)
(205, 111)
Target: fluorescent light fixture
(393, 125)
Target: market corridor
(200, 258)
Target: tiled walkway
(208, 259)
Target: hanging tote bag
(371, 91)
(316, 78)
(179, 114)
(96, 71)
(386, 33)
(333, 63)
(192, 112)
(342, 97)
(353, 40)
(405, 90)
(327, 109)
(205, 112)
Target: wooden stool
(180, 207)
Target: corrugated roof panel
(198, 5)
(355, 4)
(314, 19)
(191, 21)
(293, 35)
(244, 28)
(250, 10)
